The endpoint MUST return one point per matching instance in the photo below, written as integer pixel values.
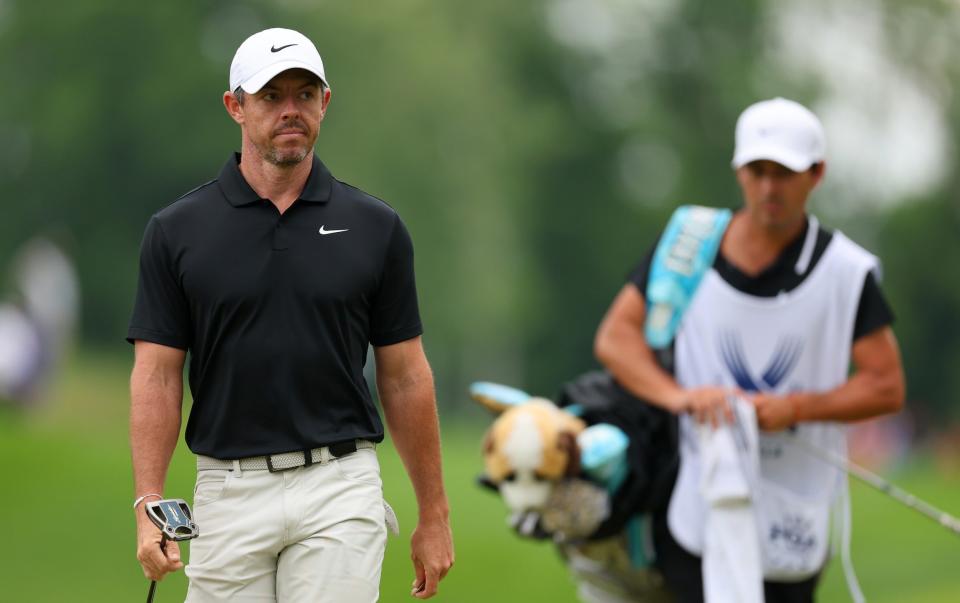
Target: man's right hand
(431, 550)
(156, 563)
(706, 404)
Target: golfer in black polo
(276, 277)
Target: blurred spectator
(881, 443)
(37, 320)
(946, 451)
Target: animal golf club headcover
(574, 510)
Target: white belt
(286, 460)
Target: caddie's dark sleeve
(160, 313)
(873, 312)
(641, 272)
(395, 314)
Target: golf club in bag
(902, 496)
(175, 521)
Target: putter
(175, 521)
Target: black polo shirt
(277, 311)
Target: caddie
(777, 313)
(276, 277)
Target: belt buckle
(340, 449)
(307, 461)
(270, 466)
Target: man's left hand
(431, 549)
(775, 413)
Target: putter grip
(153, 583)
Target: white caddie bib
(797, 341)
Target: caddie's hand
(156, 563)
(775, 413)
(707, 404)
(431, 549)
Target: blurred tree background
(534, 149)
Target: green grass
(70, 532)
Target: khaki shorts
(314, 533)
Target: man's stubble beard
(284, 159)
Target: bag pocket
(794, 533)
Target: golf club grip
(153, 583)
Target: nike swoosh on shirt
(323, 231)
(275, 49)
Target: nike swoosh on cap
(275, 49)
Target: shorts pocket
(210, 486)
(361, 466)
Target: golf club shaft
(153, 583)
(941, 517)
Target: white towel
(732, 566)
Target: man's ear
(233, 107)
(818, 170)
(324, 102)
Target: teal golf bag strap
(684, 255)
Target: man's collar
(319, 183)
(239, 193)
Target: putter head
(173, 517)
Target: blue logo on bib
(785, 358)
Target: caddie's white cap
(265, 54)
(779, 130)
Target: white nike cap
(779, 130)
(265, 54)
